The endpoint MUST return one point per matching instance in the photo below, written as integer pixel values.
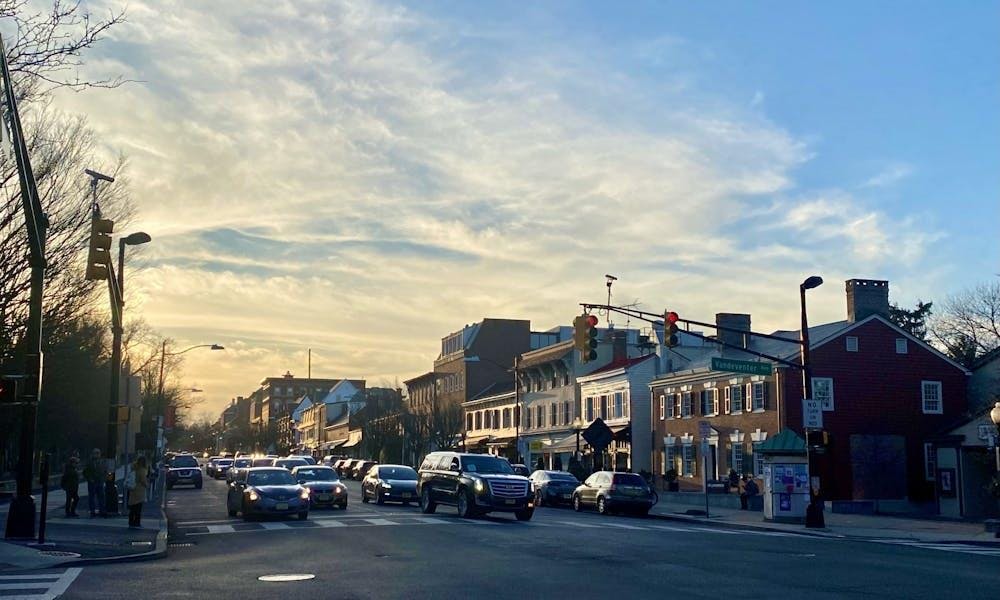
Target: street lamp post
(577, 428)
(158, 413)
(995, 417)
(814, 512)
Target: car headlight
(304, 494)
(253, 496)
(386, 485)
(338, 489)
(479, 486)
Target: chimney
(867, 297)
(619, 346)
(737, 321)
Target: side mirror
(301, 481)
(455, 468)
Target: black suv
(475, 483)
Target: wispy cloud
(356, 178)
(890, 175)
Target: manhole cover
(60, 553)
(288, 577)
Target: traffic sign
(812, 414)
(598, 435)
(746, 367)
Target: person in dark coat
(94, 473)
(70, 483)
(139, 479)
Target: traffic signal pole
(21, 516)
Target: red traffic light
(672, 317)
(592, 320)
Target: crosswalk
(37, 586)
(200, 528)
(962, 548)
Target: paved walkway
(841, 525)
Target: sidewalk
(83, 540)
(865, 527)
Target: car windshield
(309, 460)
(628, 479)
(263, 462)
(486, 464)
(316, 474)
(224, 462)
(184, 461)
(397, 473)
(239, 463)
(560, 476)
(290, 462)
(270, 477)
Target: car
(521, 470)
(331, 460)
(222, 467)
(183, 469)
(238, 463)
(263, 462)
(344, 468)
(613, 492)
(360, 469)
(554, 487)
(290, 463)
(309, 460)
(393, 483)
(325, 488)
(475, 483)
(267, 491)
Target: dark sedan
(290, 462)
(389, 483)
(612, 492)
(554, 487)
(325, 488)
(360, 469)
(222, 467)
(267, 491)
(183, 469)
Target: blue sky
(364, 177)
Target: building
(276, 397)
(491, 421)
(883, 393)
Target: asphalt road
(392, 551)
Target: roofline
(549, 348)
(477, 401)
(986, 358)
(614, 373)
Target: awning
(353, 440)
(473, 442)
(334, 443)
(566, 444)
(502, 441)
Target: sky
(362, 178)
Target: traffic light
(99, 254)
(8, 391)
(589, 350)
(670, 335)
(580, 333)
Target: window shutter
(728, 403)
(715, 401)
(764, 388)
(748, 398)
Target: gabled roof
(987, 358)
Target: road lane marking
(712, 530)
(433, 521)
(380, 521)
(669, 528)
(220, 529)
(588, 525)
(624, 526)
(274, 526)
(41, 576)
(329, 523)
(49, 585)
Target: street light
(577, 427)
(814, 512)
(995, 417)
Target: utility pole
(814, 512)
(21, 516)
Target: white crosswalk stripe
(963, 548)
(380, 521)
(40, 586)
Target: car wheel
(343, 505)
(577, 505)
(232, 513)
(246, 514)
(602, 506)
(466, 505)
(427, 504)
(197, 486)
(642, 512)
(524, 515)
(379, 498)
(303, 515)
(539, 498)
(364, 495)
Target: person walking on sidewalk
(751, 491)
(137, 483)
(71, 484)
(94, 474)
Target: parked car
(222, 467)
(263, 462)
(238, 463)
(290, 463)
(325, 488)
(554, 487)
(330, 460)
(183, 469)
(612, 492)
(521, 470)
(267, 491)
(475, 483)
(344, 467)
(360, 469)
(392, 483)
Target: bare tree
(968, 324)
(445, 425)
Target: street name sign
(812, 414)
(746, 367)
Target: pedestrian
(137, 483)
(743, 492)
(94, 474)
(70, 483)
(751, 488)
(151, 480)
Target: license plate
(510, 501)
(406, 494)
(322, 497)
(281, 506)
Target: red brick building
(884, 393)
